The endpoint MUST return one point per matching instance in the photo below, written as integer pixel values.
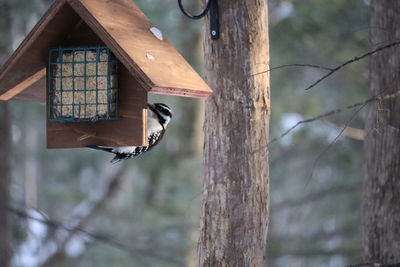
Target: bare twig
(332, 112)
(355, 59)
(345, 230)
(313, 252)
(134, 252)
(331, 70)
(362, 104)
(294, 65)
(79, 217)
(314, 196)
(326, 149)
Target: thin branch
(331, 70)
(293, 65)
(316, 251)
(79, 217)
(322, 235)
(380, 96)
(134, 252)
(314, 196)
(331, 113)
(326, 149)
(355, 59)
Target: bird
(158, 117)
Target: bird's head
(162, 111)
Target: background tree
(5, 182)
(235, 192)
(5, 144)
(381, 198)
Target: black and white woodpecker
(158, 117)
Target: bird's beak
(151, 107)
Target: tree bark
(5, 145)
(381, 193)
(234, 222)
(5, 179)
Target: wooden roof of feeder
(119, 24)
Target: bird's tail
(117, 157)
(103, 148)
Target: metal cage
(82, 84)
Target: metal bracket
(212, 9)
(214, 19)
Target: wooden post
(235, 195)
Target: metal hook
(212, 7)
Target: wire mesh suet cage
(82, 84)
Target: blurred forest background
(151, 216)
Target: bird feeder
(82, 84)
(93, 62)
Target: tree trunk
(381, 194)
(234, 220)
(5, 179)
(5, 146)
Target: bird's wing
(155, 138)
